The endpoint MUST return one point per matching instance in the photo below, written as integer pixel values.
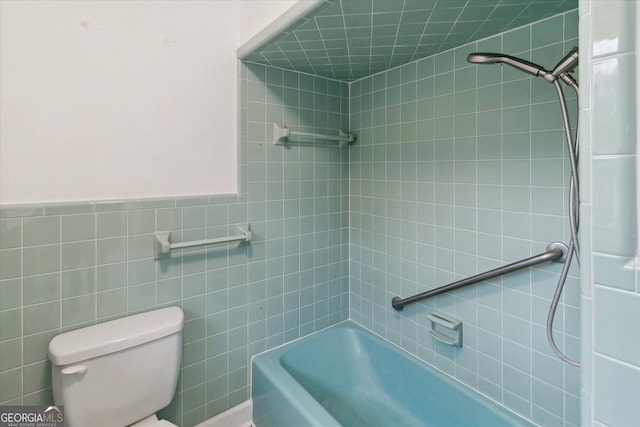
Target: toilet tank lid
(115, 335)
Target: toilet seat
(152, 421)
(163, 423)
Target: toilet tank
(116, 373)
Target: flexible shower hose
(574, 219)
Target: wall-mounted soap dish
(445, 329)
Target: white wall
(121, 99)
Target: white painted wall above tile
(105, 100)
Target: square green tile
(41, 231)
(195, 330)
(516, 93)
(78, 282)
(140, 246)
(111, 303)
(78, 227)
(169, 219)
(194, 307)
(41, 317)
(547, 32)
(516, 172)
(78, 255)
(36, 346)
(517, 41)
(10, 233)
(10, 385)
(36, 376)
(41, 259)
(111, 276)
(11, 325)
(111, 224)
(194, 374)
(41, 288)
(194, 284)
(141, 221)
(193, 398)
(10, 293)
(517, 119)
(111, 250)
(141, 296)
(41, 397)
(10, 354)
(169, 290)
(141, 271)
(542, 119)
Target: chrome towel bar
(162, 246)
(556, 251)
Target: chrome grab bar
(556, 251)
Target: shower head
(560, 71)
(498, 58)
(566, 64)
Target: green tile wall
(458, 169)
(68, 266)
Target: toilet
(118, 373)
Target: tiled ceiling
(350, 39)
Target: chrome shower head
(561, 70)
(498, 58)
(566, 64)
